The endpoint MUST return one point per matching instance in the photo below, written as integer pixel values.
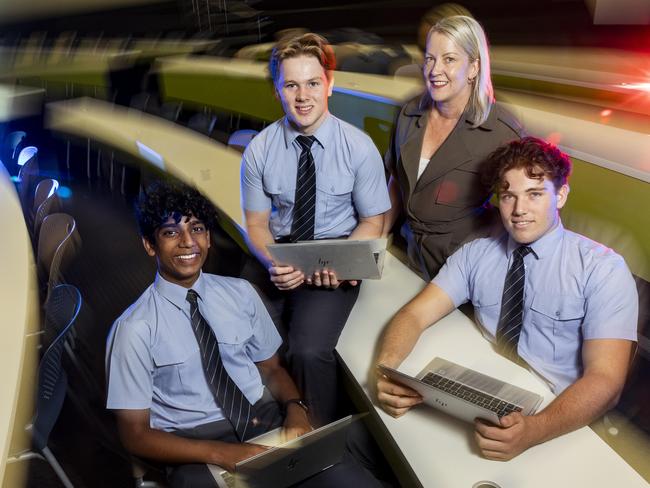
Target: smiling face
(180, 249)
(303, 89)
(447, 69)
(529, 206)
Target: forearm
(368, 229)
(258, 238)
(167, 447)
(399, 339)
(580, 404)
(281, 385)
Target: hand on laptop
(395, 399)
(504, 442)
(327, 279)
(296, 423)
(238, 451)
(285, 277)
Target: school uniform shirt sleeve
(265, 339)
(254, 198)
(370, 192)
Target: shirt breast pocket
(336, 191)
(281, 196)
(559, 319)
(487, 307)
(172, 369)
(234, 339)
(461, 187)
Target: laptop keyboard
(229, 478)
(464, 392)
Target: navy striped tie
(304, 208)
(233, 402)
(512, 306)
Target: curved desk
(20, 318)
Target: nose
(519, 207)
(187, 238)
(301, 93)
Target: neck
(452, 109)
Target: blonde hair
(309, 44)
(468, 34)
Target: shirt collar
(543, 246)
(323, 134)
(177, 294)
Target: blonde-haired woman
(440, 141)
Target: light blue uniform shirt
(576, 289)
(153, 359)
(350, 179)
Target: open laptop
(465, 393)
(350, 259)
(290, 462)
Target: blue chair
(61, 311)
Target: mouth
(303, 109)
(521, 224)
(188, 257)
(438, 83)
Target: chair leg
(57, 467)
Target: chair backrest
(202, 122)
(171, 110)
(26, 154)
(239, 139)
(45, 189)
(58, 243)
(14, 143)
(61, 310)
(27, 175)
(51, 205)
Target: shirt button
(332, 189)
(557, 313)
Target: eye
(505, 197)
(428, 60)
(168, 233)
(198, 229)
(449, 59)
(290, 85)
(314, 83)
(536, 194)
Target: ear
(474, 68)
(562, 194)
(331, 85)
(148, 247)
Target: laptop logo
(293, 462)
(323, 262)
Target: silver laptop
(350, 259)
(290, 462)
(465, 393)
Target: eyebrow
(527, 190)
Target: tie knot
(305, 141)
(523, 251)
(192, 297)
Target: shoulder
(269, 136)
(137, 321)
(595, 256)
(348, 132)
(505, 121)
(226, 286)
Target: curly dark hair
(537, 157)
(163, 199)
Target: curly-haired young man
(192, 366)
(567, 308)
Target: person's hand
(327, 279)
(514, 435)
(296, 422)
(395, 399)
(238, 451)
(285, 277)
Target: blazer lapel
(411, 149)
(452, 153)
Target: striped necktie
(510, 320)
(304, 208)
(233, 403)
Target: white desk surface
(440, 449)
(19, 305)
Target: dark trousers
(355, 468)
(310, 320)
